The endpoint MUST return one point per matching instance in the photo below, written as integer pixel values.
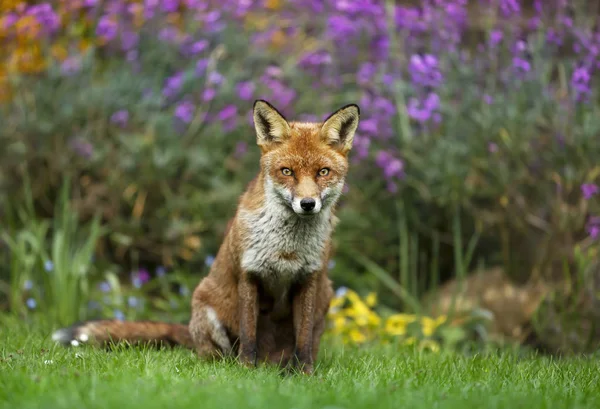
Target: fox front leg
(248, 314)
(304, 317)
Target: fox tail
(102, 332)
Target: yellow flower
(356, 336)
(410, 341)
(339, 323)
(138, 14)
(8, 5)
(374, 319)
(371, 299)
(429, 325)
(273, 4)
(396, 324)
(27, 60)
(59, 52)
(28, 28)
(336, 303)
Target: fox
(267, 293)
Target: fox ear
(271, 126)
(339, 128)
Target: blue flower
(161, 271)
(48, 265)
(104, 286)
(31, 303)
(340, 292)
(209, 260)
(119, 315)
(28, 285)
(133, 302)
(183, 290)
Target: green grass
(36, 374)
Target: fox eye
(324, 172)
(286, 171)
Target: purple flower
(133, 301)
(510, 7)
(215, 78)
(197, 47)
(580, 81)
(365, 73)
(71, 65)
(228, 116)
(28, 285)
(168, 34)
(173, 85)
(48, 266)
(82, 147)
(424, 70)
(107, 28)
(521, 65)
(129, 39)
(361, 147)
(496, 37)
(425, 110)
(593, 227)
(213, 21)
(184, 111)
(209, 260)
(245, 90)
(8, 20)
(315, 59)
(392, 167)
(488, 99)
(492, 147)
(118, 314)
(208, 94)
(140, 277)
(31, 303)
(170, 6)
(369, 126)
(46, 16)
(589, 190)
(120, 118)
(201, 67)
(230, 111)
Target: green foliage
(51, 260)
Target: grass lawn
(36, 374)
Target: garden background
(471, 213)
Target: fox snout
(306, 197)
(307, 206)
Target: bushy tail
(102, 332)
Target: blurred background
(471, 213)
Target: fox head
(305, 164)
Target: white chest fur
(281, 246)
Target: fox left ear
(339, 128)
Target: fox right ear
(271, 127)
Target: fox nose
(307, 204)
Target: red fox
(267, 293)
